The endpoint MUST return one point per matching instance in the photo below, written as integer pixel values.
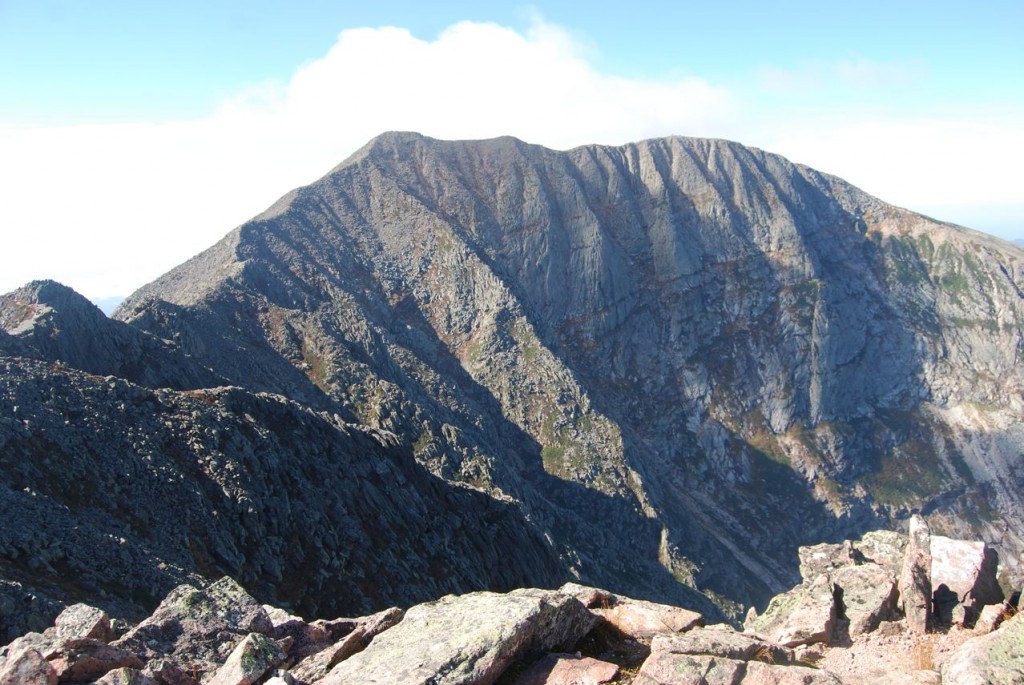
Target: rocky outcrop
(218, 634)
(915, 581)
(49, 321)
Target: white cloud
(924, 164)
(107, 208)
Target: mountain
(669, 364)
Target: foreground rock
(963, 578)
(844, 621)
(720, 655)
(468, 639)
(993, 659)
(915, 583)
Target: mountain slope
(680, 359)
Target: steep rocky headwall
(678, 360)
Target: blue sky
(160, 126)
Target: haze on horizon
(133, 137)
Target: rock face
(658, 368)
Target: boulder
(967, 570)
(317, 665)
(915, 586)
(824, 558)
(82, 620)
(88, 659)
(722, 642)
(251, 659)
(126, 676)
(643, 620)
(883, 547)
(759, 673)
(590, 597)
(990, 618)
(170, 672)
(568, 669)
(665, 668)
(200, 628)
(804, 615)
(467, 639)
(993, 659)
(868, 595)
(721, 655)
(27, 667)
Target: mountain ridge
(679, 358)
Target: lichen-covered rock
(868, 595)
(665, 668)
(993, 659)
(251, 659)
(198, 626)
(467, 639)
(170, 672)
(804, 615)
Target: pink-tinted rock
(991, 617)
(88, 659)
(642, 620)
(82, 620)
(915, 584)
(27, 667)
(568, 669)
(759, 673)
(316, 665)
(964, 571)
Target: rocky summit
(448, 367)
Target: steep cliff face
(680, 359)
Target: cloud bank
(108, 208)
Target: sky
(133, 135)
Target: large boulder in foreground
(200, 628)
(993, 659)
(964, 573)
(466, 639)
(802, 616)
(722, 656)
